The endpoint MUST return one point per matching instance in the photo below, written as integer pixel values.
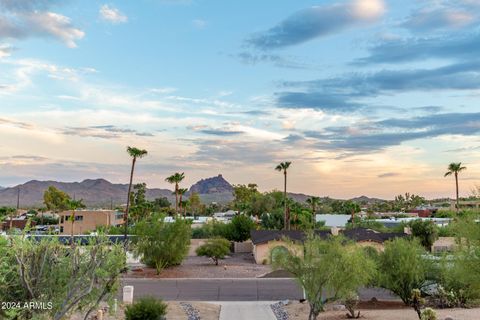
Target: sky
(364, 97)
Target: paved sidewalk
(246, 311)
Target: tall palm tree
(73, 205)
(455, 168)
(181, 193)
(176, 178)
(313, 202)
(282, 167)
(135, 153)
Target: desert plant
(417, 302)
(239, 228)
(161, 244)
(351, 304)
(425, 231)
(428, 314)
(327, 266)
(402, 267)
(214, 249)
(146, 308)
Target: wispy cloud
(24, 19)
(318, 21)
(112, 14)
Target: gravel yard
(299, 311)
(239, 265)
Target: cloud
(24, 19)
(457, 47)
(378, 135)
(249, 58)
(341, 93)
(388, 175)
(104, 132)
(199, 23)
(215, 131)
(428, 19)
(318, 21)
(5, 51)
(111, 14)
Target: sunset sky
(365, 97)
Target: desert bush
(425, 231)
(146, 308)
(214, 249)
(239, 228)
(428, 314)
(402, 267)
(161, 244)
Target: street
(255, 289)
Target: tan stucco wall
(261, 252)
(378, 246)
(91, 220)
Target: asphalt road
(258, 289)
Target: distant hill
(365, 199)
(214, 189)
(94, 192)
(101, 193)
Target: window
(62, 219)
(61, 229)
(78, 218)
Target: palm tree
(455, 168)
(73, 205)
(283, 166)
(176, 178)
(181, 193)
(135, 153)
(313, 202)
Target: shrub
(147, 308)
(403, 268)
(425, 231)
(428, 314)
(239, 228)
(161, 244)
(214, 249)
(210, 229)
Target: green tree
(176, 178)
(327, 266)
(243, 196)
(135, 154)
(182, 204)
(403, 268)
(425, 231)
(283, 167)
(455, 168)
(161, 244)
(55, 199)
(239, 228)
(214, 249)
(195, 202)
(314, 202)
(272, 221)
(72, 279)
(74, 205)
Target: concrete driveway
(246, 311)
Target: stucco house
(267, 242)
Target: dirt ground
(174, 312)
(239, 265)
(380, 311)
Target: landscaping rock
(279, 310)
(192, 313)
(338, 307)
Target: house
(370, 238)
(444, 244)
(19, 222)
(88, 220)
(267, 242)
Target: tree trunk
(285, 222)
(128, 204)
(176, 197)
(456, 185)
(73, 221)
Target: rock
(278, 310)
(449, 318)
(338, 307)
(192, 313)
(285, 302)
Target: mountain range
(102, 193)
